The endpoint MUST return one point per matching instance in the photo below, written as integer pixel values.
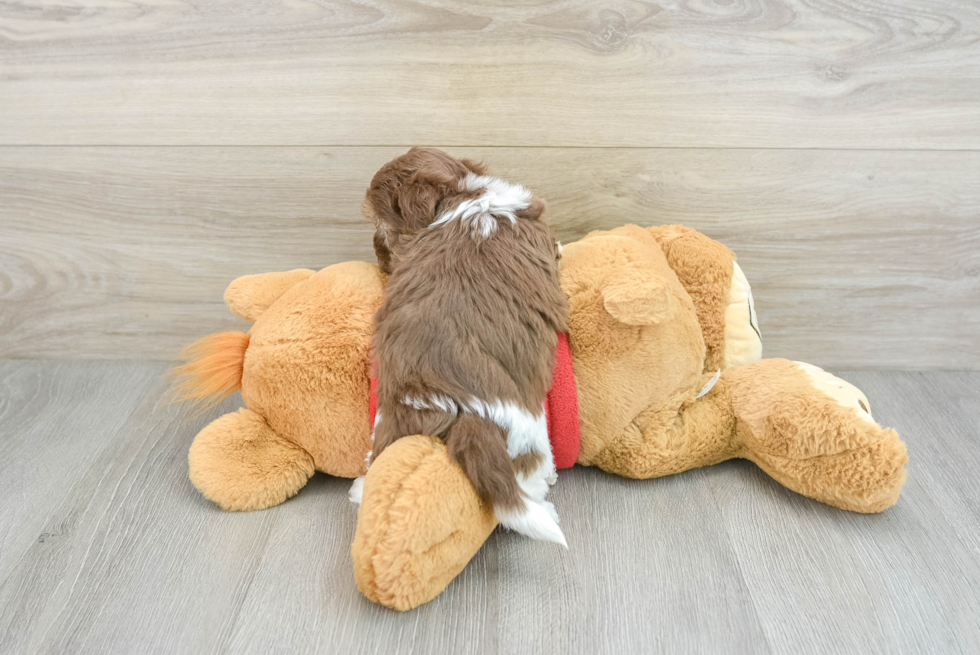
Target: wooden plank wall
(150, 152)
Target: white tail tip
(356, 490)
(537, 520)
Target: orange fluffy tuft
(213, 370)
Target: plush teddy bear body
(303, 373)
(666, 356)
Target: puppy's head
(408, 193)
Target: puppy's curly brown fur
(465, 340)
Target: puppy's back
(466, 337)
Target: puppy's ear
(416, 199)
(475, 167)
(383, 251)
(534, 210)
(377, 205)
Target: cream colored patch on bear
(743, 341)
(845, 393)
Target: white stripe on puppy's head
(500, 199)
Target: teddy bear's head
(306, 369)
(633, 329)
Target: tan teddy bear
(665, 351)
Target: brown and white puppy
(465, 340)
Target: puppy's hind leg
(479, 445)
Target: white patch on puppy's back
(526, 433)
(433, 401)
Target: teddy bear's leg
(419, 523)
(240, 463)
(814, 433)
(685, 433)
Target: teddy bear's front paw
(240, 463)
(419, 523)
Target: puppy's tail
(213, 369)
(480, 447)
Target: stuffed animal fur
(666, 356)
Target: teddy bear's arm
(662, 442)
(250, 295)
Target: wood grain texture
(134, 559)
(720, 73)
(44, 407)
(946, 443)
(858, 259)
(901, 581)
(721, 559)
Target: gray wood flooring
(106, 547)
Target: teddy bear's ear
(250, 295)
(638, 302)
